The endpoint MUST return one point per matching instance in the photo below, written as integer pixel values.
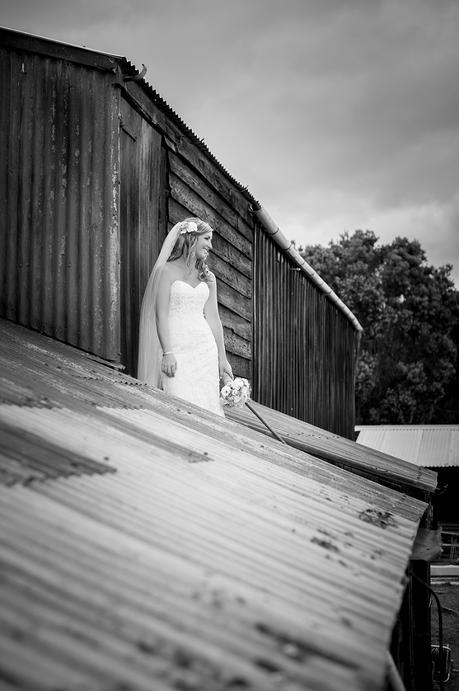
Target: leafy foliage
(410, 315)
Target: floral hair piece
(188, 227)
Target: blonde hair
(185, 245)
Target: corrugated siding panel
(432, 446)
(304, 348)
(213, 558)
(59, 268)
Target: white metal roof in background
(430, 446)
(209, 556)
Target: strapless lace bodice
(194, 347)
(186, 298)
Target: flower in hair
(188, 227)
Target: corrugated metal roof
(340, 451)
(213, 558)
(432, 446)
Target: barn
(97, 169)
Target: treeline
(408, 365)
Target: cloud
(434, 225)
(336, 114)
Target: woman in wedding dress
(181, 345)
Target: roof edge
(108, 62)
(51, 47)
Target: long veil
(149, 359)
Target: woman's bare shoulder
(167, 275)
(171, 270)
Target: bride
(181, 346)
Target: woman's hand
(224, 369)
(169, 364)
(209, 277)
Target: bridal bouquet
(235, 393)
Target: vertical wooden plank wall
(59, 259)
(304, 347)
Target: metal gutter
(289, 249)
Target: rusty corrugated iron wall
(75, 255)
(304, 347)
(59, 261)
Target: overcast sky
(336, 114)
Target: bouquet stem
(279, 438)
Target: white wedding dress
(193, 344)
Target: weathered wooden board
(200, 185)
(237, 345)
(240, 251)
(240, 366)
(230, 275)
(234, 301)
(231, 256)
(228, 190)
(180, 140)
(241, 326)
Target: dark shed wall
(142, 220)
(59, 260)
(304, 347)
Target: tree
(409, 312)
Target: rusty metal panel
(304, 347)
(59, 265)
(212, 558)
(431, 446)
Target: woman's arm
(213, 319)
(168, 361)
